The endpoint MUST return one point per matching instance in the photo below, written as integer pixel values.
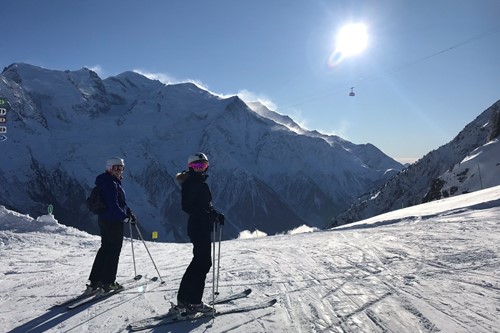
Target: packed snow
(427, 268)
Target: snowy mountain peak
(135, 81)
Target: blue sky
(431, 66)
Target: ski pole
(213, 268)
(132, 244)
(144, 242)
(218, 260)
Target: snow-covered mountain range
(265, 173)
(470, 162)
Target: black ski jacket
(197, 202)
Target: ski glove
(213, 215)
(221, 219)
(130, 219)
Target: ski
(170, 318)
(225, 299)
(232, 297)
(101, 295)
(229, 298)
(246, 308)
(86, 294)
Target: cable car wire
(397, 69)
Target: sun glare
(352, 39)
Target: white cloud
(295, 114)
(298, 116)
(248, 96)
(168, 79)
(302, 230)
(163, 78)
(97, 69)
(341, 130)
(246, 234)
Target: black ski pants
(105, 264)
(193, 281)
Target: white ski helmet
(114, 161)
(197, 157)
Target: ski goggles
(118, 167)
(199, 165)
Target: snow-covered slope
(65, 124)
(410, 186)
(427, 268)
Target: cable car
(352, 92)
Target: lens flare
(335, 59)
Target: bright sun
(352, 39)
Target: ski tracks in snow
(378, 282)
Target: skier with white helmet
(197, 203)
(111, 224)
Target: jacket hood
(105, 177)
(101, 178)
(181, 177)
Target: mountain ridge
(65, 124)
